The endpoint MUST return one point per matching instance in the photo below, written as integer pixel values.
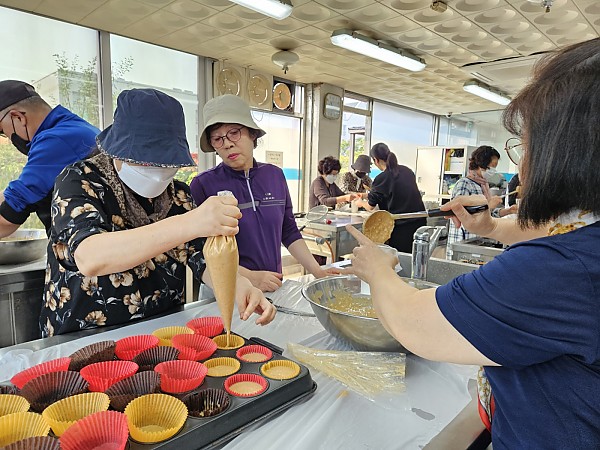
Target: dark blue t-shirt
(535, 310)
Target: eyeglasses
(233, 135)
(514, 149)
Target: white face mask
(147, 181)
(489, 173)
(330, 178)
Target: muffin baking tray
(230, 414)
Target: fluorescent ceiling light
(364, 45)
(277, 9)
(484, 91)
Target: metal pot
(23, 246)
(363, 333)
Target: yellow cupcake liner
(21, 425)
(155, 417)
(235, 341)
(10, 404)
(165, 334)
(64, 413)
(222, 367)
(280, 369)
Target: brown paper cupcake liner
(155, 417)
(206, 326)
(22, 425)
(148, 359)
(46, 389)
(93, 353)
(280, 369)
(101, 430)
(254, 353)
(104, 374)
(64, 413)
(207, 402)
(9, 389)
(180, 376)
(124, 391)
(165, 334)
(54, 365)
(193, 347)
(235, 341)
(222, 367)
(129, 347)
(12, 403)
(246, 385)
(35, 443)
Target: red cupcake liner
(206, 326)
(93, 353)
(54, 365)
(242, 378)
(193, 347)
(207, 402)
(103, 375)
(35, 443)
(148, 359)
(51, 387)
(129, 347)
(244, 353)
(142, 383)
(180, 375)
(104, 429)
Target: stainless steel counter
(333, 229)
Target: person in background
(357, 178)
(513, 185)
(531, 315)
(482, 166)
(323, 190)
(123, 230)
(395, 190)
(261, 189)
(51, 138)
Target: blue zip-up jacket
(61, 139)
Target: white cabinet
(438, 164)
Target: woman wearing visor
(123, 230)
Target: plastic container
(64, 413)
(104, 430)
(54, 365)
(155, 417)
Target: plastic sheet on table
(367, 373)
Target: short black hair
(328, 165)
(557, 117)
(482, 157)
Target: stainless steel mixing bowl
(363, 333)
(23, 246)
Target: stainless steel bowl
(23, 246)
(363, 333)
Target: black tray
(211, 432)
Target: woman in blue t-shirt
(531, 316)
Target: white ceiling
(467, 33)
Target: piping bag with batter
(222, 260)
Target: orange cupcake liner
(124, 391)
(180, 375)
(254, 353)
(93, 353)
(209, 326)
(207, 402)
(129, 347)
(103, 375)
(54, 365)
(148, 359)
(52, 387)
(104, 429)
(193, 347)
(241, 384)
(35, 443)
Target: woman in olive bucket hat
(123, 229)
(261, 190)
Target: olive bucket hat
(362, 164)
(227, 108)
(149, 129)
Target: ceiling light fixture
(353, 41)
(285, 59)
(484, 91)
(277, 9)
(546, 4)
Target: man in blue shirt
(50, 138)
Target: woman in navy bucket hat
(123, 230)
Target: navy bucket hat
(149, 129)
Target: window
(137, 64)
(355, 121)
(60, 60)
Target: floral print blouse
(83, 205)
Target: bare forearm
(7, 228)
(508, 232)
(300, 251)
